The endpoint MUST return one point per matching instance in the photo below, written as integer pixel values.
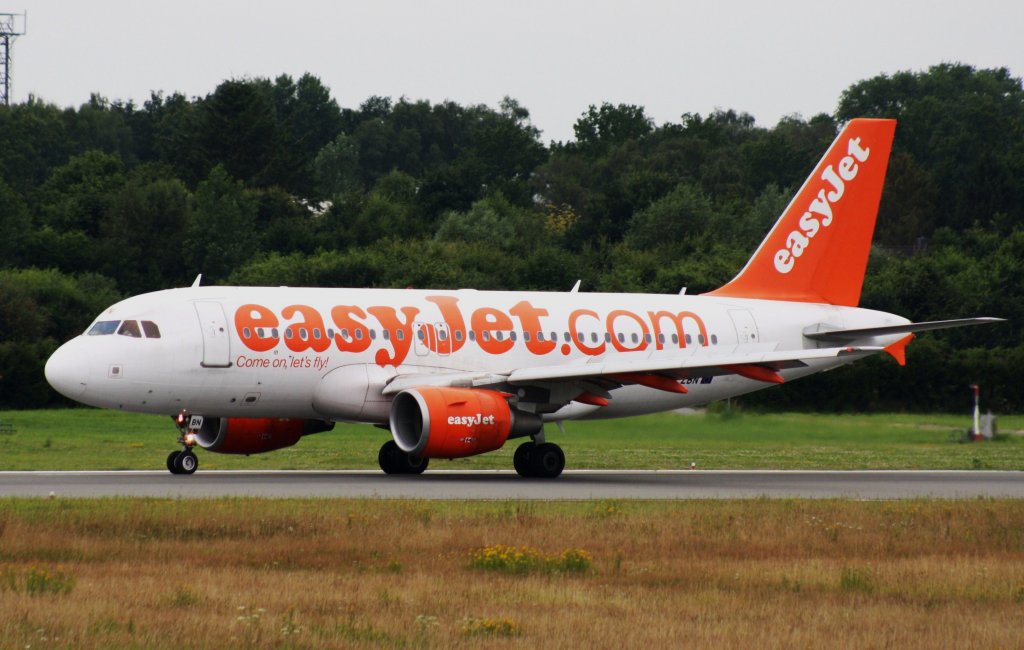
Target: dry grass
(364, 573)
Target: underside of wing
(592, 382)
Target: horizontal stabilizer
(908, 328)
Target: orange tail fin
(818, 249)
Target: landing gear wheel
(415, 464)
(545, 460)
(395, 461)
(186, 463)
(388, 458)
(521, 459)
(172, 458)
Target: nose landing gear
(184, 461)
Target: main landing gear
(395, 461)
(184, 461)
(539, 460)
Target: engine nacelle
(434, 422)
(254, 435)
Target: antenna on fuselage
(199, 278)
(576, 287)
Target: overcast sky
(768, 58)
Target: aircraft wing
(692, 365)
(696, 365)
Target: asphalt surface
(506, 484)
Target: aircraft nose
(67, 370)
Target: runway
(506, 484)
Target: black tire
(186, 463)
(390, 458)
(521, 459)
(172, 458)
(395, 461)
(414, 464)
(547, 460)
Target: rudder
(818, 249)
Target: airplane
(455, 373)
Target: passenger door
(216, 339)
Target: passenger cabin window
(130, 328)
(103, 328)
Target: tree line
(271, 182)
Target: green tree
(608, 125)
(495, 221)
(239, 129)
(15, 227)
(39, 309)
(678, 218)
(145, 232)
(964, 127)
(336, 168)
(221, 235)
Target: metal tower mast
(10, 28)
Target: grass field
(95, 439)
(232, 573)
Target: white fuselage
(328, 353)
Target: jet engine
(433, 422)
(254, 435)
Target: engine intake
(254, 435)
(433, 422)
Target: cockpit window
(151, 330)
(103, 328)
(130, 328)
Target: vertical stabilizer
(818, 249)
